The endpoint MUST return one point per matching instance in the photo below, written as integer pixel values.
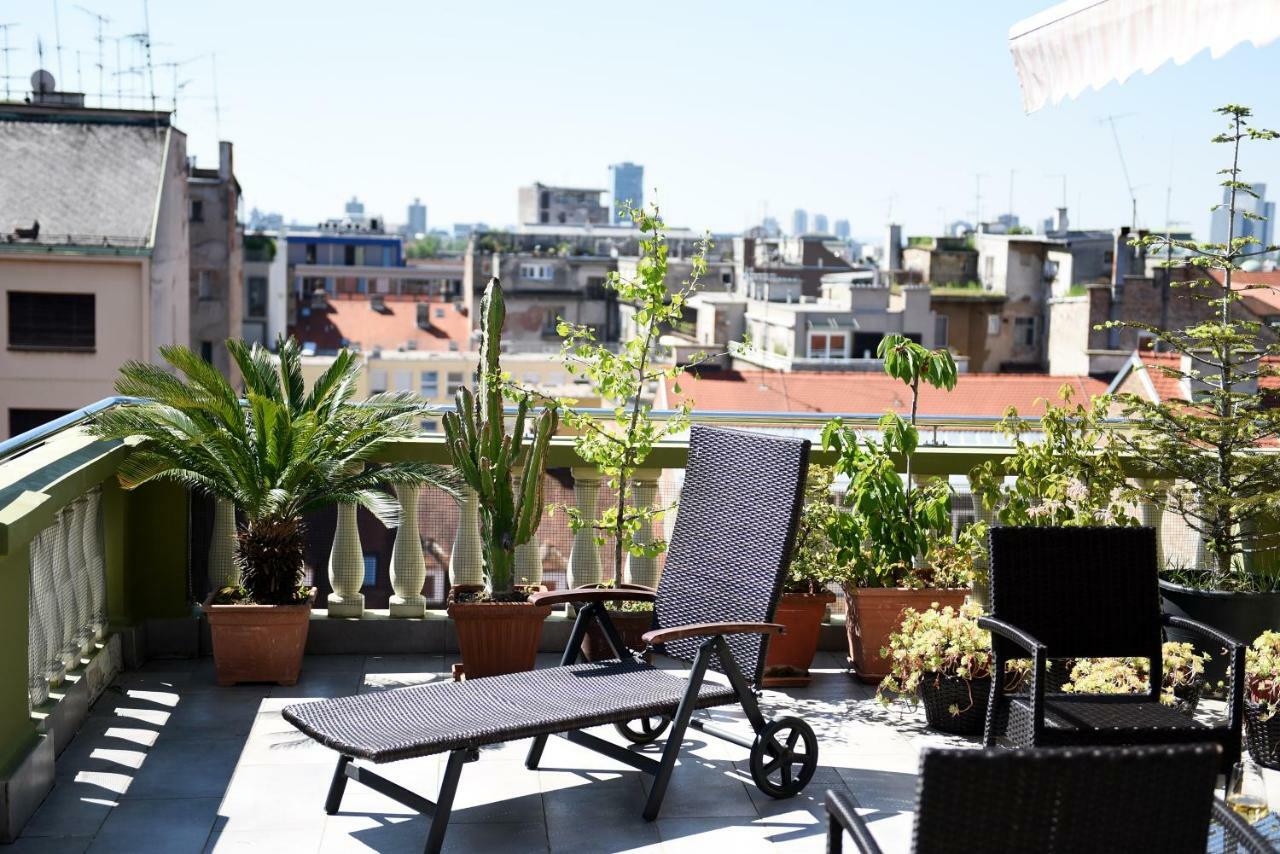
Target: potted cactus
(498, 629)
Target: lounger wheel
(784, 757)
(643, 730)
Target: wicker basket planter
(875, 613)
(1262, 737)
(497, 637)
(787, 662)
(1187, 697)
(258, 643)
(630, 624)
(938, 693)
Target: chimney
(224, 161)
(1122, 256)
(1060, 222)
(377, 302)
(893, 247)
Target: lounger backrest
(734, 530)
(1067, 799)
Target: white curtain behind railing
(67, 602)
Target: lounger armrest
(841, 816)
(593, 594)
(1032, 646)
(710, 630)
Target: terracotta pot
(497, 637)
(876, 612)
(630, 624)
(258, 643)
(787, 662)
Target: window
(828, 345)
(377, 380)
(440, 312)
(540, 272)
(205, 288)
(197, 210)
(726, 279)
(551, 320)
(22, 420)
(386, 256)
(370, 570)
(454, 382)
(941, 329)
(989, 271)
(349, 256)
(206, 351)
(46, 321)
(311, 253)
(404, 380)
(430, 425)
(256, 298)
(429, 384)
(993, 324)
(1024, 332)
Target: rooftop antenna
(217, 112)
(1063, 177)
(57, 36)
(79, 76)
(1124, 169)
(174, 66)
(5, 49)
(100, 39)
(977, 201)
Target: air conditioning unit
(377, 302)
(424, 315)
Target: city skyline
(423, 123)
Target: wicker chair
(713, 608)
(1063, 800)
(1090, 593)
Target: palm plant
(279, 453)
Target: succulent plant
(488, 458)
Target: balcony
(113, 735)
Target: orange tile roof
(351, 318)
(1170, 388)
(873, 392)
(1260, 292)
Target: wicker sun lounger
(730, 548)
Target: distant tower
(820, 223)
(627, 186)
(842, 229)
(1260, 229)
(799, 222)
(893, 247)
(355, 210)
(417, 218)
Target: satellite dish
(42, 82)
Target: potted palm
(805, 598)
(882, 540)
(1262, 699)
(277, 454)
(498, 628)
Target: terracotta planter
(875, 613)
(787, 662)
(258, 643)
(497, 637)
(630, 624)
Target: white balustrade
(222, 546)
(93, 550)
(584, 558)
(642, 569)
(346, 565)
(408, 568)
(466, 560)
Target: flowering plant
(1181, 667)
(1262, 672)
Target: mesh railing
(67, 599)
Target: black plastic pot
(940, 693)
(1262, 737)
(1243, 616)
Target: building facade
(416, 219)
(216, 296)
(799, 222)
(627, 184)
(1259, 228)
(541, 204)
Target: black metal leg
(338, 786)
(675, 738)
(580, 623)
(611, 633)
(444, 803)
(534, 756)
(746, 696)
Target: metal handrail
(25, 441)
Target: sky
(872, 112)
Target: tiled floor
(168, 762)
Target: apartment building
(542, 204)
(95, 251)
(216, 296)
(266, 290)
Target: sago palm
(280, 452)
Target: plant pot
(787, 662)
(630, 624)
(1262, 737)
(875, 613)
(1242, 616)
(497, 637)
(1187, 697)
(938, 693)
(258, 643)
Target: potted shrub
(883, 539)
(805, 597)
(1204, 442)
(941, 657)
(498, 628)
(1262, 699)
(278, 454)
(619, 446)
(1182, 676)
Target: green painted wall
(17, 732)
(154, 552)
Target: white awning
(1082, 43)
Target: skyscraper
(416, 221)
(628, 186)
(842, 229)
(799, 222)
(820, 223)
(1261, 230)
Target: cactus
(486, 456)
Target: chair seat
(1092, 719)
(444, 716)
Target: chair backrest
(1156, 798)
(732, 541)
(1082, 592)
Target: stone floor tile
(187, 768)
(293, 840)
(165, 826)
(73, 808)
(705, 790)
(49, 845)
(320, 684)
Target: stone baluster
(584, 557)
(346, 565)
(642, 569)
(222, 546)
(466, 560)
(528, 555)
(80, 564)
(65, 636)
(408, 568)
(97, 565)
(43, 663)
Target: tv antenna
(174, 66)
(6, 50)
(1124, 169)
(57, 36)
(217, 112)
(100, 39)
(977, 202)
